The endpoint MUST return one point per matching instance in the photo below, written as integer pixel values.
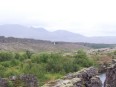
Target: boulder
(111, 77)
(3, 82)
(28, 80)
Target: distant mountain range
(15, 30)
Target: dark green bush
(29, 54)
(5, 56)
(82, 59)
(55, 63)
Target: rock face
(102, 68)
(27, 81)
(111, 76)
(84, 78)
(3, 82)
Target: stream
(102, 78)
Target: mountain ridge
(19, 31)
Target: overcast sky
(87, 17)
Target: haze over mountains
(15, 30)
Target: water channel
(102, 78)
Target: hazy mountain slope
(20, 31)
(21, 44)
(38, 33)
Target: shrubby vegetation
(46, 66)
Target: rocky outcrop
(30, 80)
(84, 78)
(3, 82)
(102, 68)
(27, 80)
(111, 75)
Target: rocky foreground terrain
(111, 75)
(84, 78)
(87, 77)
